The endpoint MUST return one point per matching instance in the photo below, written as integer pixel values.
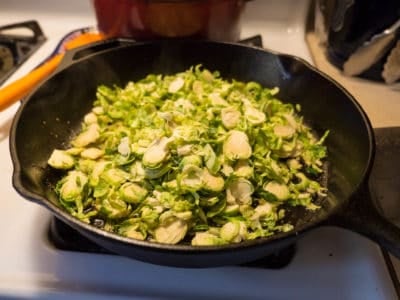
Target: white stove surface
(330, 263)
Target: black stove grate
(17, 43)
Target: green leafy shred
(191, 158)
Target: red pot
(149, 19)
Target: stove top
(328, 263)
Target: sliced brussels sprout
(294, 164)
(197, 87)
(284, 131)
(150, 216)
(227, 170)
(211, 160)
(131, 228)
(236, 146)
(291, 148)
(279, 190)
(74, 151)
(191, 160)
(292, 121)
(184, 104)
(60, 159)
(243, 169)
(88, 136)
(114, 208)
(254, 116)
(229, 231)
(98, 110)
(185, 134)
(184, 150)
(155, 204)
(124, 147)
(212, 183)
(191, 178)
(207, 75)
(233, 232)
(207, 202)
(137, 171)
(73, 187)
(176, 85)
(115, 176)
(217, 208)
(217, 100)
(90, 118)
(231, 209)
(262, 210)
(86, 165)
(154, 173)
(92, 153)
(133, 193)
(167, 116)
(206, 239)
(230, 117)
(184, 215)
(137, 149)
(170, 185)
(132, 233)
(97, 170)
(239, 191)
(171, 232)
(156, 153)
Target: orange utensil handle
(21, 87)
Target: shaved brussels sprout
(88, 136)
(133, 193)
(230, 117)
(239, 191)
(156, 153)
(279, 190)
(60, 159)
(191, 158)
(207, 239)
(236, 146)
(171, 232)
(92, 153)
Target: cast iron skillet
(52, 115)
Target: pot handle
(362, 216)
(76, 54)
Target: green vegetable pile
(190, 158)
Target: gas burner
(17, 43)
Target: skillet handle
(362, 216)
(73, 55)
